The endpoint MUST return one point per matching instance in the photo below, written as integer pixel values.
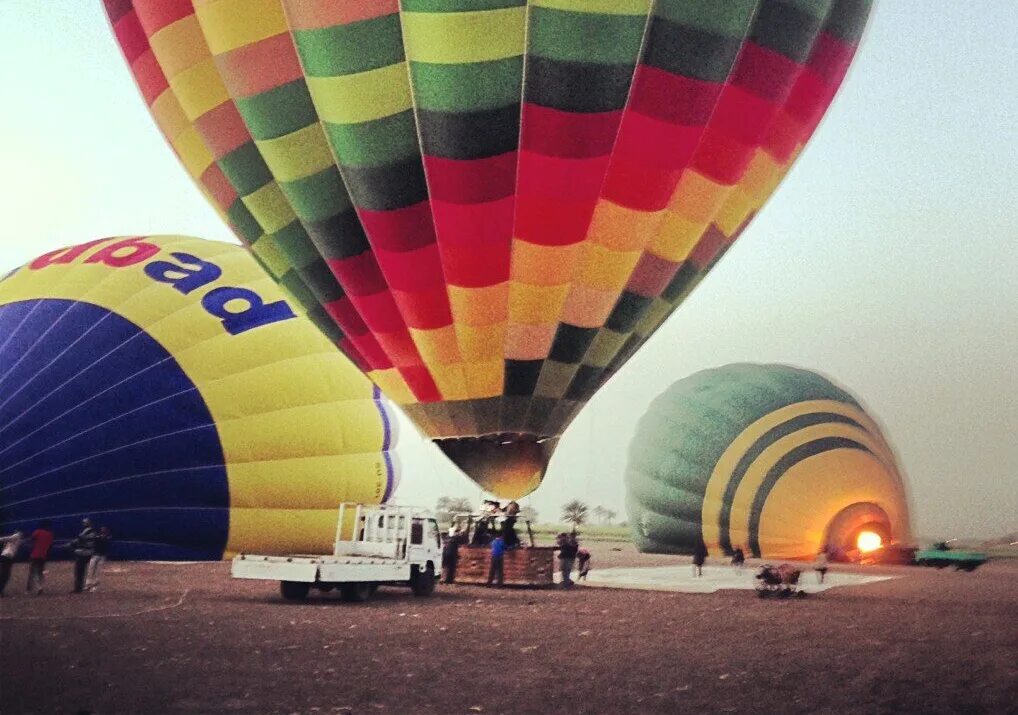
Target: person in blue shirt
(497, 556)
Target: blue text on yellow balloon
(238, 309)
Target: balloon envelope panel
(488, 205)
(775, 459)
(164, 387)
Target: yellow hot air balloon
(489, 205)
(164, 386)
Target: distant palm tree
(575, 513)
(447, 507)
(599, 513)
(528, 513)
(609, 516)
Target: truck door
(416, 552)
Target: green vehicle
(941, 556)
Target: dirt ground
(187, 639)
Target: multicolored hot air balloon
(164, 387)
(775, 459)
(489, 205)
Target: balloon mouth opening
(859, 529)
(509, 465)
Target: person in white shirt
(7, 555)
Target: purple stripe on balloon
(390, 473)
(386, 427)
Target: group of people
(569, 555)
(496, 529)
(820, 564)
(90, 549)
(700, 555)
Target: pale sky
(887, 260)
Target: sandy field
(162, 638)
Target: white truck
(375, 545)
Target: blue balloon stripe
(50, 316)
(48, 365)
(145, 454)
(93, 370)
(77, 404)
(17, 315)
(99, 420)
(118, 480)
(136, 412)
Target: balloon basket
(529, 567)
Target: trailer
(942, 556)
(375, 545)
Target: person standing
(582, 564)
(738, 558)
(7, 556)
(567, 550)
(699, 557)
(42, 542)
(84, 548)
(820, 565)
(451, 555)
(95, 564)
(495, 570)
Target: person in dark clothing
(738, 558)
(495, 570)
(568, 547)
(699, 557)
(42, 542)
(582, 564)
(509, 532)
(482, 534)
(451, 555)
(84, 549)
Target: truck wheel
(294, 590)
(422, 583)
(356, 592)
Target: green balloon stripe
(351, 48)
(586, 37)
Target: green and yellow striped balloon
(774, 459)
(489, 205)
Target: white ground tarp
(681, 579)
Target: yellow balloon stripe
(752, 480)
(722, 471)
(461, 37)
(361, 97)
(817, 489)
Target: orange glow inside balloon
(868, 541)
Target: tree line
(573, 512)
